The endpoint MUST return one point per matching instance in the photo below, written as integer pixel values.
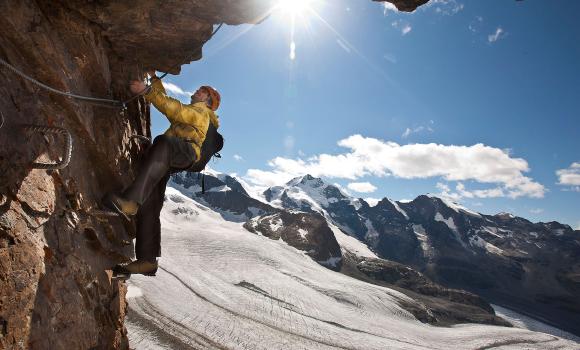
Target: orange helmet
(215, 98)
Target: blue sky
(477, 101)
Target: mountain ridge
(506, 258)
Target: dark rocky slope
(530, 267)
(441, 306)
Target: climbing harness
(68, 146)
(100, 101)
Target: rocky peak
(505, 215)
(309, 232)
(387, 209)
(305, 193)
(306, 180)
(556, 226)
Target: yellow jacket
(189, 121)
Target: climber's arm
(170, 107)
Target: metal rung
(68, 146)
(140, 138)
(99, 212)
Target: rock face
(54, 246)
(305, 231)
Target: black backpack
(211, 146)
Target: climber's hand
(137, 86)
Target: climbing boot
(125, 207)
(142, 267)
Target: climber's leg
(154, 168)
(148, 240)
(165, 154)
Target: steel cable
(59, 92)
(117, 103)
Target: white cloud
(462, 192)
(499, 33)
(403, 26)
(176, 90)
(444, 7)
(362, 187)
(238, 158)
(409, 131)
(267, 178)
(536, 210)
(577, 226)
(570, 177)
(370, 156)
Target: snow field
(222, 287)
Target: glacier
(221, 287)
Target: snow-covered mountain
(532, 267)
(312, 194)
(222, 286)
(223, 193)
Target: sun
(293, 7)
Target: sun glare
(293, 7)
(293, 10)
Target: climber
(177, 149)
